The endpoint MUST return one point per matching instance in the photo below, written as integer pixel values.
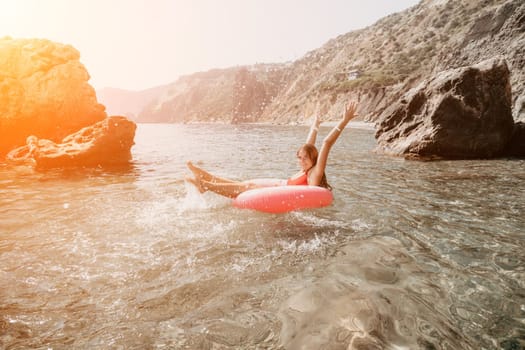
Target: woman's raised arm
(328, 142)
(312, 134)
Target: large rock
(459, 113)
(44, 91)
(106, 143)
(516, 146)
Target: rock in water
(516, 146)
(106, 143)
(44, 91)
(460, 113)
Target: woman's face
(304, 160)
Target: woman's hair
(312, 153)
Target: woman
(312, 163)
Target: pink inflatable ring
(282, 199)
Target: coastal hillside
(235, 95)
(374, 65)
(377, 64)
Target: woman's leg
(201, 174)
(204, 181)
(227, 189)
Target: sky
(138, 44)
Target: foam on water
(318, 221)
(194, 200)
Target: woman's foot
(192, 167)
(199, 173)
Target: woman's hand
(312, 135)
(317, 121)
(317, 115)
(350, 111)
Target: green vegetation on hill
(376, 64)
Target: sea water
(411, 255)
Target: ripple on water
(369, 296)
(411, 255)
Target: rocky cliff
(457, 114)
(44, 91)
(375, 65)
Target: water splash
(194, 200)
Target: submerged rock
(459, 113)
(106, 143)
(44, 91)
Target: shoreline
(352, 124)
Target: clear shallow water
(412, 255)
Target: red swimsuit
(299, 180)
